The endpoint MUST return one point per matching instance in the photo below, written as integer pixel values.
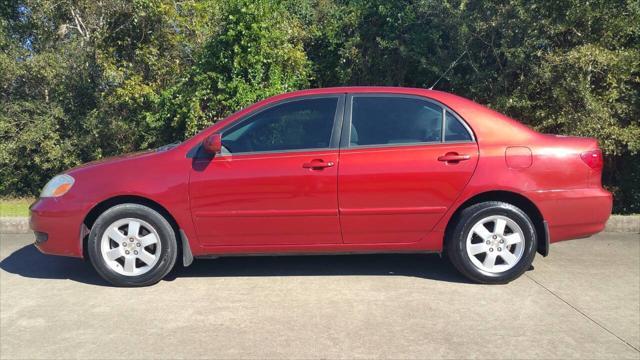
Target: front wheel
(492, 242)
(132, 245)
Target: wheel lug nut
(491, 249)
(495, 237)
(131, 239)
(502, 241)
(499, 249)
(126, 252)
(135, 252)
(124, 243)
(138, 244)
(488, 242)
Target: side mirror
(212, 144)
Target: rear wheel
(492, 242)
(132, 245)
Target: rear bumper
(573, 214)
(58, 226)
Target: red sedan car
(337, 170)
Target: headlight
(57, 186)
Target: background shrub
(80, 80)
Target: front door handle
(318, 164)
(454, 157)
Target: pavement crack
(582, 313)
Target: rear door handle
(454, 157)
(318, 164)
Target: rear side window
(380, 120)
(300, 124)
(454, 130)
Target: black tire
(167, 238)
(456, 243)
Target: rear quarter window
(454, 130)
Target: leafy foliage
(80, 80)
(256, 52)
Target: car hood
(113, 160)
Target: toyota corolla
(327, 171)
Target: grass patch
(15, 207)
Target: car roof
(487, 125)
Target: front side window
(294, 125)
(381, 120)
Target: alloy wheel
(130, 246)
(495, 244)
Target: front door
(403, 162)
(276, 181)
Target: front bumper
(58, 225)
(575, 213)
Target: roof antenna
(450, 67)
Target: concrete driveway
(583, 301)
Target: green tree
(80, 80)
(256, 52)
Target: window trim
(334, 140)
(345, 140)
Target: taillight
(593, 158)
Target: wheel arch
(106, 204)
(513, 198)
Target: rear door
(403, 161)
(276, 181)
